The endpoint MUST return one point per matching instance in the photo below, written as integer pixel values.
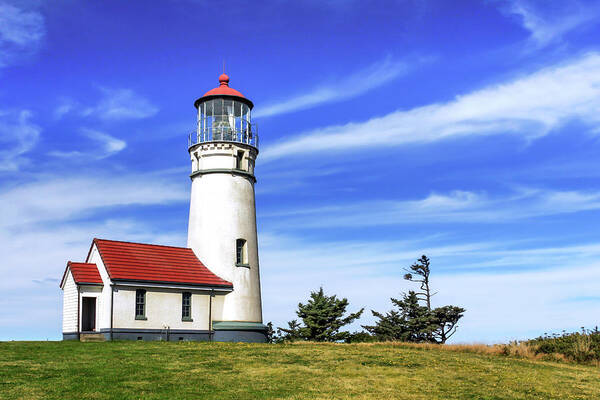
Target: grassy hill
(159, 370)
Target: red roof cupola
(223, 90)
(224, 79)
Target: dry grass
(522, 350)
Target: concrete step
(92, 337)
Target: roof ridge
(144, 244)
(153, 262)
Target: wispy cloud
(109, 144)
(547, 22)
(18, 135)
(65, 106)
(354, 85)
(454, 207)
(119, 104)
(530, 106)
(52, 198)
(106, 145)
(21, 32)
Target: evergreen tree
(445, 320)
(422, 270)
(289, 334)
(270, 333)
(413, 322)
(322, 317)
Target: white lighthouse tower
(222, 224)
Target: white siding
(163, 308)
(222, 210)
(69, 304)
(103, 306)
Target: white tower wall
(222, 210)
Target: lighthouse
(209, 290)
(222, 220)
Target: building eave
(172, 285)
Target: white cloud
(21, 32)
(18, 135)
(548, 23)
(530, 106)
(360, 82)
(66, 105)
(119, 104)
(108, 145)
(454, 207)
(52, 198)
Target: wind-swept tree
(409, 323)
(413, 322)
(322, 317)
(422, 270)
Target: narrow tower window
(239, 160)
(140, 304)
(186, 306)
(241, 258)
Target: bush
(360, 337)
(583, 346)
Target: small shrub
(360, 337)
(583, 346)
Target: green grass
(160, 370)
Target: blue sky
(467, 131)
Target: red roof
(83, 273)
(223, 89)
(153, 263)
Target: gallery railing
(220, 130)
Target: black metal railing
(245, 133)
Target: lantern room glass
(223, 119)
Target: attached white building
(127, 290)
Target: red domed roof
(223, 88)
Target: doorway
(88, 314)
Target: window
(140, 304)
(241, 258)
(186, 306)
(239, 160)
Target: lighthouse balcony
(246, 134)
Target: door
(88, 316)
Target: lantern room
(224, 116)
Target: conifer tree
(413, 322)
(289, 334)
(322, 317)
